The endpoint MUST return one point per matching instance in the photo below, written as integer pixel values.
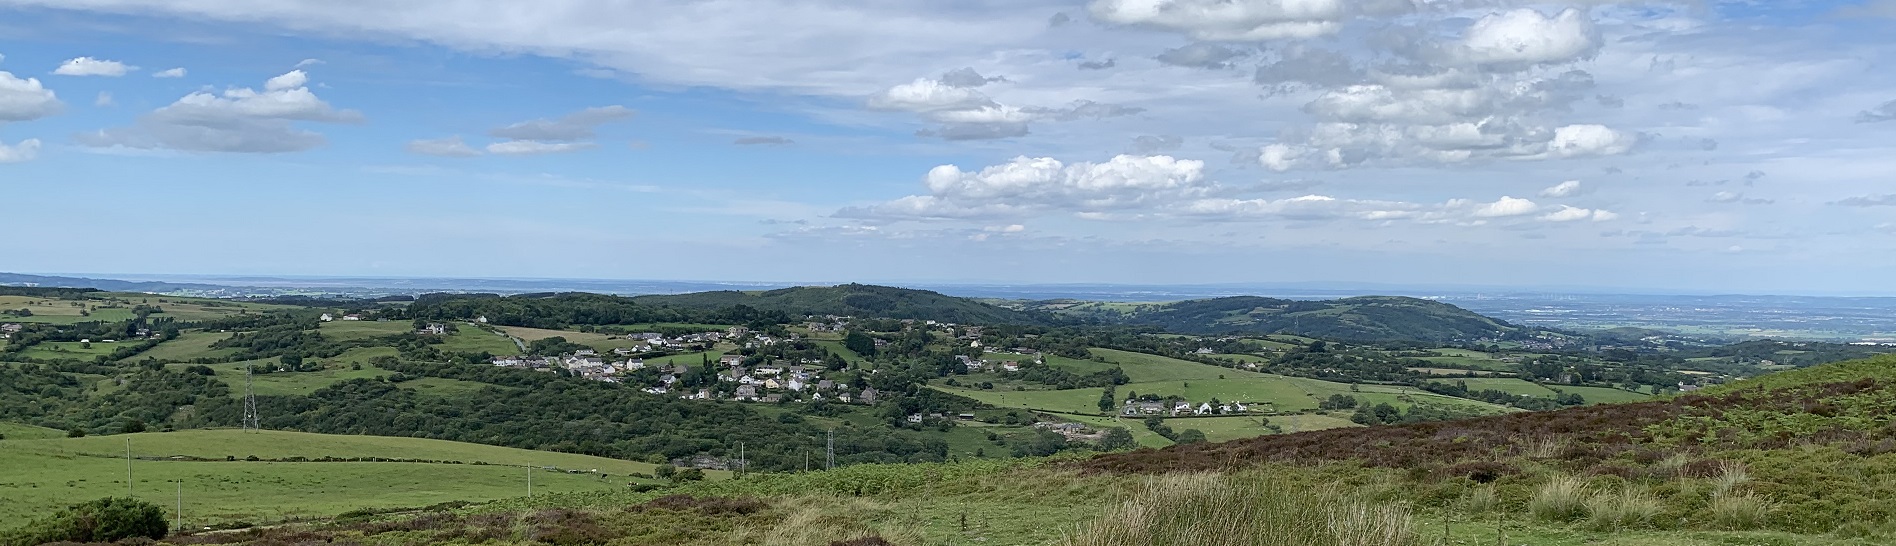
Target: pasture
(1141, 367)
(61, 350)
(187, 346)
(44, 474)
(113, 307)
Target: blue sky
(1739, 146)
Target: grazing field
(1604, 395)
(848, 355)
(346, 330)
(16, 431)
(1084, 401)
(292, 383)
(468, 339)
(1280, 393)
(599, 342)
(188, 346)
(43, 474)
(56, 350)
(113, 307)
(1508, 385)
(1141, 367)
(1394, 395)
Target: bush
(103, 520)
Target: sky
(1741, 146)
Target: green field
(1141, 367)
(42, 474)
(1280, 393)
(114, 307)
(599, 342)
(1508, 385)
(57, 350)
(190, 345)
(1085, 401)
(347, 330)
(468, 339)
(838, 348)
(16, 431)
(1604, 395)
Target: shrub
(1562, 499)
(103, 520)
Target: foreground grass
(44, 474)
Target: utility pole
(741, 465)
(251, 422)
(128, 467)
(529, 480)
(829, 455)
(180, 505)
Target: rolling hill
(1365, 318)
(859, 300)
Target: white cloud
(26, 150)
(170, 73)
(235, 120)
(1046, 183)
(577, 126)
(1525, 37)
(444, 147)
(1569, 188)
(1506, 207)
(1590, 140)
(1226, 20)
(1575, 214)
(25, 99)
(927, 95)
(534, 147)
(88, 66)
(1876, 200)
(104, 99)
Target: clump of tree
(103, 520)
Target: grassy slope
(855, 300)
(188, 346)
(16, 431)
(46, 473)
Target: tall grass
(1250, 510)
(1562, 499)
(1630, 508)
(1739, 511)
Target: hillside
(1365, 318)
(860, 300)
(293, 473)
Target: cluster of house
(332, 318)
(1181, 407)
(1072, 431)
(977, 365)
(773, 381)
(7, 330)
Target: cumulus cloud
(170, 73)
(26, 99)
(535, 147)
(763, 141)
(443, 147)
(1576, 214)
(1526, 37)
(577, 126)
(26, 150)
(88, 66)
(241, 120)
(1505, 207)
(1027, 184)
(1590, 140)
(968, 114)
(1569, 188)
(1201, 55)
(1879, 114)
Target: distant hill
(859, 300)
(1366, 318)
(16, 279)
